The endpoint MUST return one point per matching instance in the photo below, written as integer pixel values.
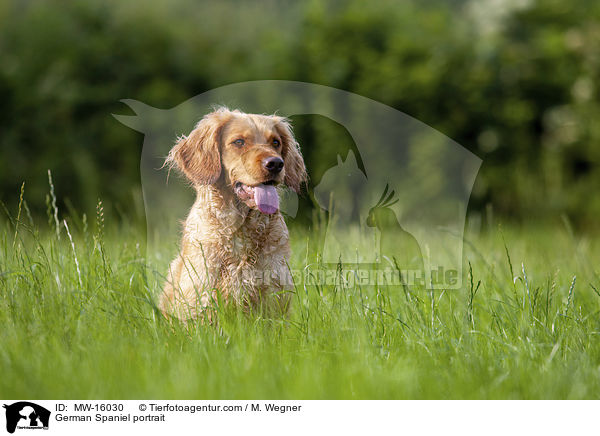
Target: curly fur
(230, 251)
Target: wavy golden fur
(230, 250)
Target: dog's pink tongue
(266, 198)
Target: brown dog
(235, 244)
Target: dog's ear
(295, 170)
(198, 155)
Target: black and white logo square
(26, 415)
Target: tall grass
(78, 320)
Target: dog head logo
(26, 415)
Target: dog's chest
(258, 238)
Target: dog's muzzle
(264, 196)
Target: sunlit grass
(78, 320)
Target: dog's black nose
(273, 164)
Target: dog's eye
(276, 143)
(239, 142)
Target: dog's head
(245, 154)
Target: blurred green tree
(514, 81)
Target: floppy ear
(197, 155)
(295, 171)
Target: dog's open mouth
(264, 196)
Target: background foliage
(514, 81)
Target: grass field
(78, 320)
